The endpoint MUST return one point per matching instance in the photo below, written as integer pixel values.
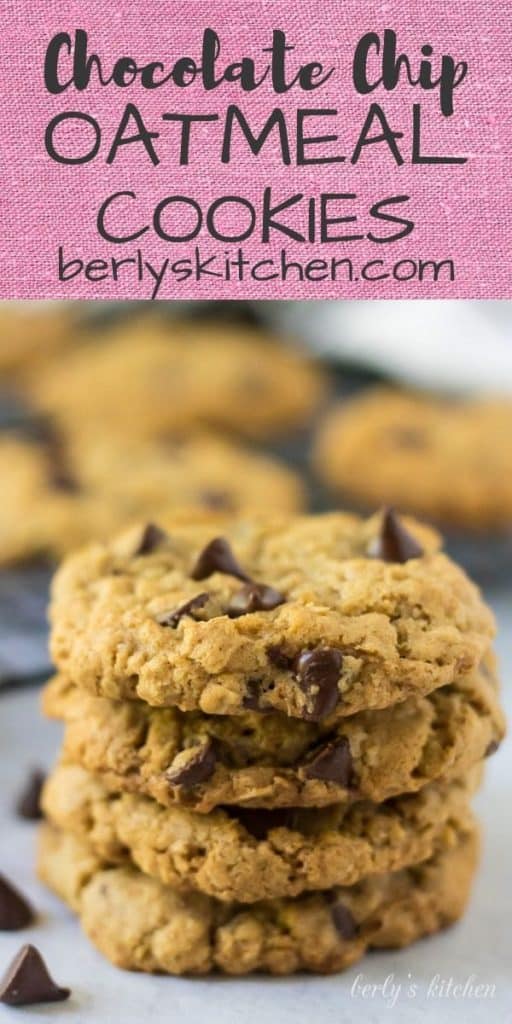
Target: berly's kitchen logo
(296, 132)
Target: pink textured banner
(315, 207)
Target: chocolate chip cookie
(140, 924)
(152, 378)
(33, 332)
(58, 494)
(253, 854)
(269, 760)
(317, 616)
(450, 461)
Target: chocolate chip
(408, 437)
(259, 822)
(172, 618)
(251, 698)
(27, 981)
(343, 921)
(217, 556)
(254, 597)
(332, 763)
(15, 912)
(28, 805)
(318, 673)
(63, 480)
(492, 748)
(217, 501)
(197, 769)
(61, 475)
(278, 656)
(151, 538)
(394, 543)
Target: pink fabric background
(461, 212)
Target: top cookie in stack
(315, 617)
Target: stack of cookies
(271, 742)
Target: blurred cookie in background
(57, 496)
(32, 332)
(146, 379)
(447, 460)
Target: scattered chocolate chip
(217, 556)
(278, 656)
(259, 822)
(343, 921)
(217, 501)
(318, 673)
(15, 912)
(28, 805)
(151, 538)
(332, 763)
(492, 748)
(172, 618)
(394, 543)
(197, 769)
(27, 981)
(254, 597)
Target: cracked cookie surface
(315, 616)
(274, 761)
(253, 854)
(140, 924)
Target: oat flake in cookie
(352, 630)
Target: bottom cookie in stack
(139, 923)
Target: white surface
(457, 346)
(480, 945)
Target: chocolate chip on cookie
(278, 656)
(258, 822)
(28, 805)
(172, 618)
(332, 763)
(394, 543)
(15, 912)
(217, 556)
(343, 921)
(251, 698)
(197, 766)
(216, 501)
(27, 981)
(254, 597)
(318, 673)
(151, 539)
(492, 748)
